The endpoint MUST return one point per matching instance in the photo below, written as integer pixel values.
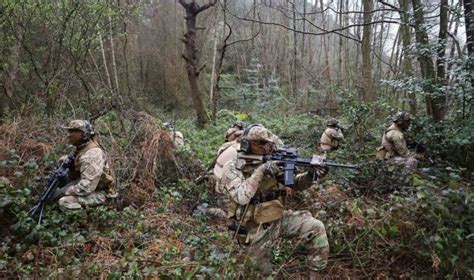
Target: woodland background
(129, 65)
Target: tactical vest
(265, 207)
(327, 140)
(386, 150)
(107, 179)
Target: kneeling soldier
(90, 180)
(394, 145)
(256, 206)
(234, 131)
(332, 136)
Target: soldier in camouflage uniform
(394, 145)
(176, 136)
(91, 181)
(234, 131)
(332, 136)
(256, 206)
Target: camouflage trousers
(302, 227)
(70, 202)
(220, 210)
(409, 163)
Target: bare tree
(190, 54)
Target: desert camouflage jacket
(90, 172)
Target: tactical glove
(321, 172)
(62, 159)
(270, 168)
(58, 193)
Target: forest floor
(381, 223)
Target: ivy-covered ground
(380, 223)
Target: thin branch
(456, 42)
(329, 8)
(243, 40)
(292, 29)
(391, 6)
(206, 6)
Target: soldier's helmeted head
(258, 133)
(259, 140)
(332, 122)
(79, 131)
(402, 119)
(238, 124)
(168, 125)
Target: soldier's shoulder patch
(232, 173)
(91, 171)
(397, 135)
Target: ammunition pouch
(381, 153)
(107, 184)
(267, 212)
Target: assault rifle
(290, 158)
(56, 180)
(203, 176)
(420, 148)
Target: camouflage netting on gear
(155, 159)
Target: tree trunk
(339, 59)
(443, 31)
(191, 56)
(367, 81)
(469, 19)
(218, 61)
(11, 72)
(434, 103)
(294, 78)
(406, 40)
(326, 72)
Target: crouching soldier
(332, 136)
(394, 145)
(90, 180)
(256, 201)
(176, 136)
(234, 131)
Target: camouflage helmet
(168, 125)
(238, 124)
(402, 116)
(82, 125)
(258, 133)
(332, 122)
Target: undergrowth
(380, 221)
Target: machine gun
(56, 180)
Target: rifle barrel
(351, 166)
